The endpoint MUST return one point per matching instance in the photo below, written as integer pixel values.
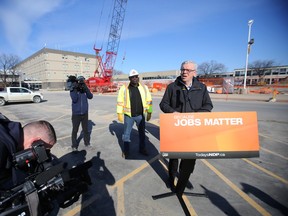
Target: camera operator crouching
(79, 93)
(15, 139)
(32, 181)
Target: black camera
(47, 187)
(29, 159)
(77, 83)
(81, 84)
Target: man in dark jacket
(14, 138)
(80, 95)
(185, 95)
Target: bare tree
(7, 68)
(117, 72)
(210, 68)
(260, 67)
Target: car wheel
(36, 99)
(2, 102)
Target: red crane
(101, 81)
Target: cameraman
(80, 94)
(15, 138)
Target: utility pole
(250, 42)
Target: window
(282, 71)
(15, 90)
(268, 73)
(253, 81)
(254, 73)
(22, 90)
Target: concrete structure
(49, 68)
(275, 74)
(146, 76)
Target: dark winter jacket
(11, 141)
(80, 101)
(178, 99)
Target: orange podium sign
(209, 135)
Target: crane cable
(125, 45)
(109, 22)
(103, 35)
(98, 26)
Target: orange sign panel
(209, 135)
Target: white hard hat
(133, 72)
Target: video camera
(33, 160)
(77, 83)
(47, 188)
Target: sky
(157, 35)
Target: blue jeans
(128, 125)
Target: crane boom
(117, 21)
(101, 82)
(115, 33)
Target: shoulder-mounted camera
(30, 159)
(77, 83)
(44, 191)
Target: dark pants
(185, 170)
(173, 166)
(76, 120)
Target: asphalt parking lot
(244, 186)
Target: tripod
(185, 173)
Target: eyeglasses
(188, 70)
(136, 76)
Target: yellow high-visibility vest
(123, 100)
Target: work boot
(125, 153)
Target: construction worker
(275, 92)
(133, 103)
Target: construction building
(146, 76)
(273, 75)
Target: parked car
(19, 94)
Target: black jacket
(178, 99)
(80, 101)
(11, 141)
